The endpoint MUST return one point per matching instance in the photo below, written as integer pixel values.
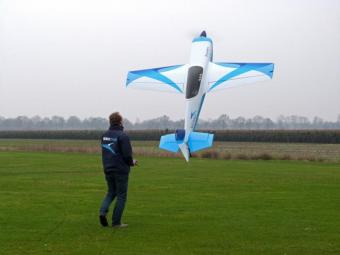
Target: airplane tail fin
(197, 141)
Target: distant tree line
(280, 136)
(224, 122)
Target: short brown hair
(115, 118)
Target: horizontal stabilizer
(169, 143)
(199, 141)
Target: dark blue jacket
(116, 151)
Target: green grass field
(49, 205)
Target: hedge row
(285, 136)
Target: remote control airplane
(195, 80)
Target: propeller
(203, 34)
(190, 34)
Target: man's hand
(135, 162)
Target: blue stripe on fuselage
(199, 111)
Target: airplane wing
(226, 75)
(166, 79)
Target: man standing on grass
(117, 159)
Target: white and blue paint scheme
(195, 80)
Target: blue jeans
(117, 187)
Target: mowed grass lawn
(49, 205)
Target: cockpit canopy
(194, 81)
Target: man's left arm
(126, 150)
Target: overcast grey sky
(71, 57)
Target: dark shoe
(120, 225)
(103, 220)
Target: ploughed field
(49, 205)
(220, 150)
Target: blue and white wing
(166, 79)
(226, 75)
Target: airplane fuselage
(196, 85)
